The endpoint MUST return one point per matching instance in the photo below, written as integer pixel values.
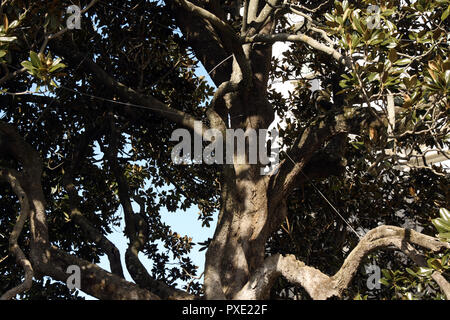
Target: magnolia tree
(95, 95)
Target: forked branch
(321, 286)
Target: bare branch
(245, 17)
(300, 7)
(267, 10)
(300, 37)
(207, 44)
(13, 178)
(321, 286)
(252, 11)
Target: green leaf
(357, 144)
(413, 80)
(35, 59)
(13, 24)
(372, 76)
(27, 65)
(386, 274)
(402, 62)
(53, 189)
(411, 272)
(434, 263)
(329, 17)
(343, 83)
(356, 23)
(445, 14)
(424, 272)
(52, 83)
(441, 225)
(346, 13)
(447, 76)
(445, 235)
(56, 61)
(346, 77)
(345, 5)
(393, 55)
(56, 67)
(391, 26)
(445, 214)
(66, 217)
(7, 39)
(445, 259)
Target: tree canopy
(87, 113)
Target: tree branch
(92, 233)
(13, 178)
(128, 94)
(136, 229)
(47, 259)
(300, 37)
(230, 38)
(252, 11)
(94, 280)
(299, 155)
(206, 43)
(74, 201)
(267, 10)
(320, 286)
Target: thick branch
(252, 11)
(94, 280)
(12, 143)
(91, 232)
(208, 46)
(320, 286)
(230, 38)
(267, 10)
(12, 177)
